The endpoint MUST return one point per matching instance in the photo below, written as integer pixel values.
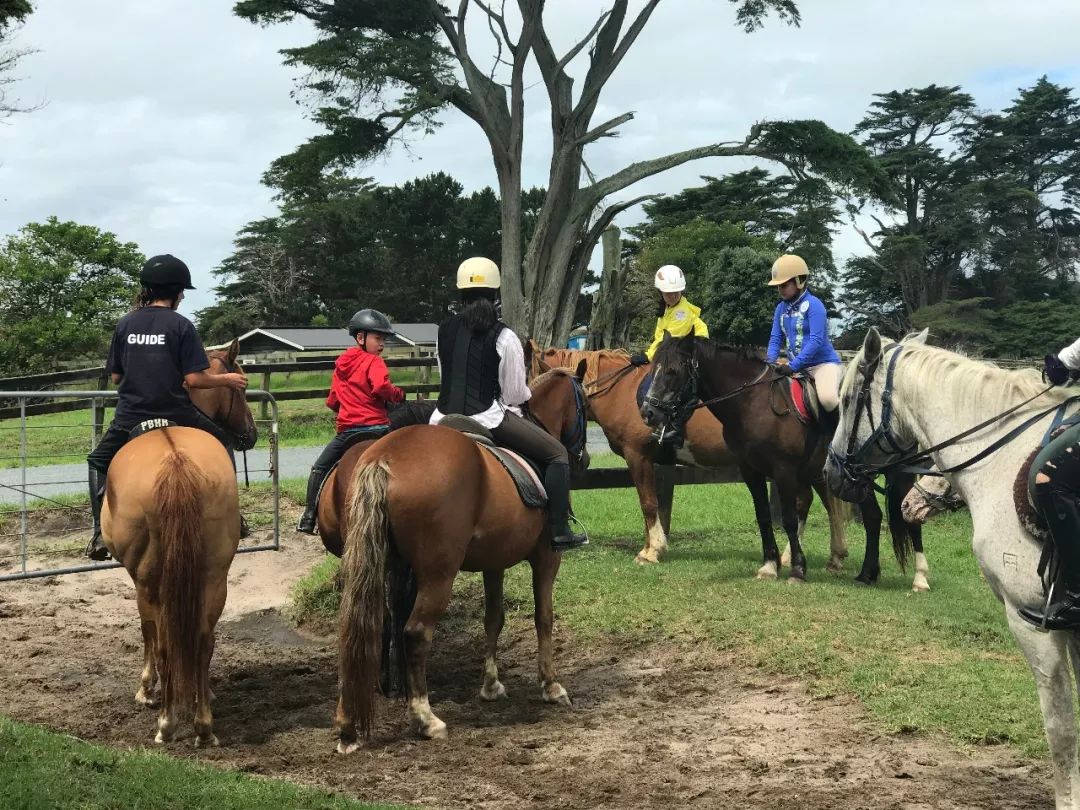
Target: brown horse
(750, 399)
(425, 503)
(171, 517)
(611, 384)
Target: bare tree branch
(606, 61)
(500, 20)
(604, 129)
(568, 57)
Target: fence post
(264, 413)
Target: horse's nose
(648, 413)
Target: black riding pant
(117, 436)
(530, 440)
(333, 451)
(1058, 500)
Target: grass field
(941, 663)
(40, 770)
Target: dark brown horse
(426, 502)
(761, 428)
(171, 517)
(611, 384)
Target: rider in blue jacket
(801, 326)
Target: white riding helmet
(669, 278)
(478, 272)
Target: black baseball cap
(165, 270)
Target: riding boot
(557, 484)
(309, 520)
(829, 421)
(95, 549)
(1061, 511)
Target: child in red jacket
(359, 393)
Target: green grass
(943, 663)
(39, 769)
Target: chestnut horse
(611, 384)
(171, 517)
(425, 503)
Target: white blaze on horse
(900, 402)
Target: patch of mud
(651, 726)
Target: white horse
(935, 395)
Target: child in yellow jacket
(679, 318)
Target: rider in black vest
(1056, 490)
(482, 375)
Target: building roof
(332, 338)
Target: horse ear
(871, 346)
(582, 367)
(917, 337)
(544, 367)
(234, 349)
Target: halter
(909, 459)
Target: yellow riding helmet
(478, 272)
(787, 267)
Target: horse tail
(897, 486)
(363, 601)
(177, 494)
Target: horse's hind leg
(921, 582)
(644, 478)
(789, 493)
(803, 502)
(759, 491)
(431, 600)
(545, 565)
(204, 720)
(494, 616)
(148, 681)
(835, 508)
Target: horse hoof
(864, 582)
(347, 748)
(797, 577)
(556, 695)
(921, 587)
(835, 565)
(647, 558)
(143, 700)
(207, 742)
(161, 739)
(495, 692)
(767, 571)
(434, 730)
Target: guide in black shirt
(154, 352)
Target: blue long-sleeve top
(802, 327)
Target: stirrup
(571, 540)
(96, 549)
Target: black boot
(309, 519)
(95, 549)
(1061, 511)
(829, 421)
(557, 484)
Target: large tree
(62, 288)
(926, 224)
(381, 69)
(12, 14)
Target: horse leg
(789, 494)
(1049, 659)
(204, 721)
(921, 583)
(835, 508)
(431, 600)
(148, 680)
(803, 502)
(871, 518)
(759, 491)
(545, 565)
(167, 714)
(494, 616)
(641, 473)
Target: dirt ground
(651, 726)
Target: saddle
(1029, 516)
(523, 472)
(148, 425)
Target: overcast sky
(161, 115)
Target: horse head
(224, 405)
(868, 436)
(674, 380)
(558, 404)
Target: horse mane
(974, 384)
(709, 349)
(593, 359)
(542, 379)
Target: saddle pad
(523, 473)
(798, 396)
(1029, 517)
(148, 425)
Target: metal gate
(45, 519)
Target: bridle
(239, 439)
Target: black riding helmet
(370, 320)
(165, 271)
